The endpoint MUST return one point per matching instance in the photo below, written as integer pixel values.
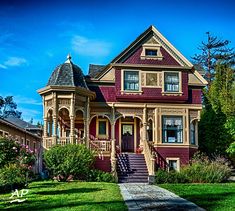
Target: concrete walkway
(140, 196)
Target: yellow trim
(179, 93)
(177, 162)
(122, 81)
(97, 128)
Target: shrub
(201, 170)
(69, 161)
(205, 170)
(12, 176)
(9, 151)
(170, 177)
(13, 152)
(96, 175)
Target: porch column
(55, 118)
(72, 119)
(145, 123)
(45, 127)
(86, 123)
(72, 124)
(113, 145)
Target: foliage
(9, 151)
(220, 93)
(212, 51)
(162, 176)
(212, 197)
(8, 107)
(13, 152)
(213, 136)
(69, 161)
(15, 163)
(205, 170)
(12, 176)
(96, 175)
(72, 196)
(231, 149)
(201, 170)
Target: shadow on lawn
(114, 205)
(69, 191)
(209, 201)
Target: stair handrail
(149, 158)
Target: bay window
(172, 129)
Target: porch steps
(131, 168)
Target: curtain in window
(131, 80)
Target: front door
(127, 138)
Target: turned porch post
(55, 118)
(145, 123)
(72, 120)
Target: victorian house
(147, 100)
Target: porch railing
(100, 145)
(149, 158)
(48, 142)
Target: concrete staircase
(131, 168)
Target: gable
(195, 79)
(162, 53)
(152, 39)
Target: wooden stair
(131, 168)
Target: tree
(8, 107)
(212, 51)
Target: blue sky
(36, 36)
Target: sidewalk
(140, 196)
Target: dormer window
(150, 52)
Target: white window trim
(122, 82)
(177, 162)
(179, 93)
(97, 128)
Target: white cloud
(2, 66)
(27, 114)
(90, 47)
(15, 61)
(26, 100)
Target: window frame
(177, 130)
(123, 81)
(177, 163)
(170, 92)
(192, 133)
(102, 136)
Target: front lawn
(220, 196)
(75, 195)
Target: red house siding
(152, 94)
(93, 127)
(104, 93)
(175, 152)
(103, 164)
(185, 154)
(167, 59)
(195, 96)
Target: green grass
(220, 196)
(75, 195)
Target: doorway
(128, 138)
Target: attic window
(150, 52)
